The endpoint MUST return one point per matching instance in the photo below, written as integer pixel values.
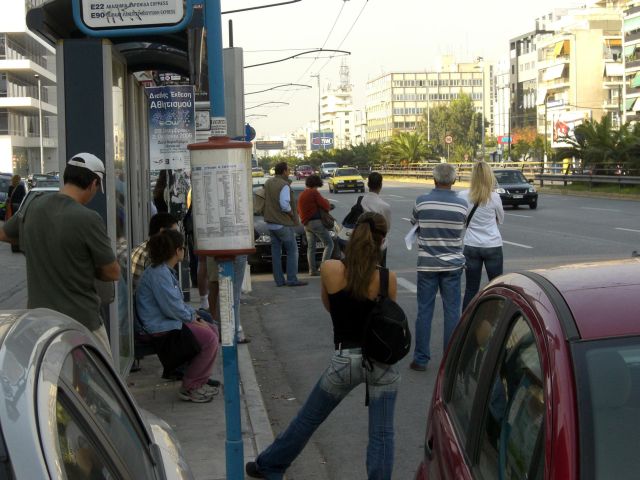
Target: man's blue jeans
(428, 284)
(315, 230)
(475, 257)
(284, 237)
(343, 375)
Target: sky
(381, 36)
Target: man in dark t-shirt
(66, 246)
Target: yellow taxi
(257, 172)
(346, 178)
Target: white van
(327, 169)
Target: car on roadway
(514, 189)
(346, 178)
(36, 179)
(5, 183)
(66, 413)
(327, 169)
(541, 379)
(31, 194)
(261, 260)
(257, 172)
(303, 171)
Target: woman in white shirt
(482, 241)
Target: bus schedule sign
(107, 18)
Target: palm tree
(407, 147)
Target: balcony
(26, 105)
(630, 37)
(26, 69)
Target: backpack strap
(470, 216)
(384, 282)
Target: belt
(349, 351)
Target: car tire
(533, 205)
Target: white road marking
(516, 215)
(516, 244)
(403, 282)
(391, 195)
(600, 209)
(628, 230)
(407, 219)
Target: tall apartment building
(523, 75)
(27, 94)
(395, 102)
(631, 85)
(337, 112)
(580, 68)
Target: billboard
(321, 141)
(564, 123)
(269, 145)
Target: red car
(303, 171)
(542, 380)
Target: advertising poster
(564, 124)
(321, 141)
(171, 111)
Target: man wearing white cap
(66, 246)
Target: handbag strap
(384, 282)
(470, 216)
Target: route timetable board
(220, 196)
(97, 14)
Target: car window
(346, 172)
(81, 457)
(608, 381)
(510, 177)
(511, 444)
(4, 184)
(471, 360)
(110, 413)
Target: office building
(396, 102)
(28, 127)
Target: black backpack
(387, 338)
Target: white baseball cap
(90, 162)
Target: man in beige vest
(281, 218)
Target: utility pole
(40, 122)
(319, 100)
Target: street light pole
(480, 61)
(40, 122)
(319, 100)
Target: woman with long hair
(349, 290)
(310, 203)
(179, 333)
(482, 240)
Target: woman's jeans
(475, 257)
(315, 230)
(343, 374)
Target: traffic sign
(113, 18)
(504, 139)
(448, 139)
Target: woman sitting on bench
(179, 334)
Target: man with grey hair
(440, 215)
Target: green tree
(598, 143)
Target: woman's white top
(483, 228)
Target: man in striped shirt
(440, 215)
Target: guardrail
(464, 169)
(590, 179)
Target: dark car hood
(260, 226)
(514, 185)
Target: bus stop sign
(114, 18)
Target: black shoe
(252, 470)
(213, 382)
(297, 284)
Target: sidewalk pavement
(201, 428)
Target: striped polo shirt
(441, 215)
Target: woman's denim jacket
(159, 302)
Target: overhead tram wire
(347, 34)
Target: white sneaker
(197, 395)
